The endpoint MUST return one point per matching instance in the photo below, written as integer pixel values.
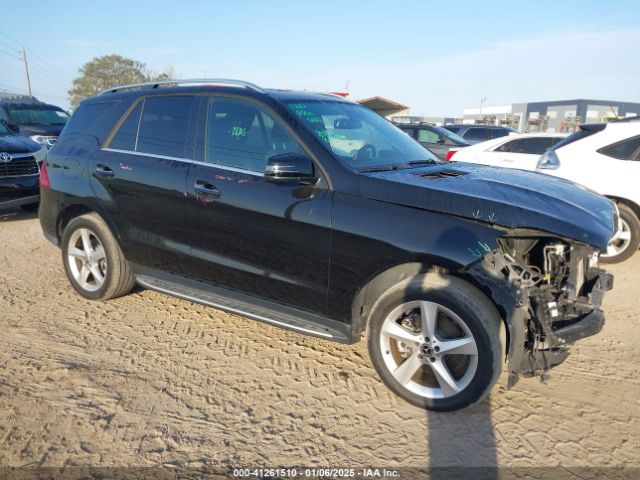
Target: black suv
(313, 213)
(479, 133)
(37, 120)
(20, 161)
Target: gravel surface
(148, 380)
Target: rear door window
(476, 133)
(164, 125)
(534, 145)
(626, 150)
(427, 136)
(509, 147)
(498, 132)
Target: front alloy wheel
(626, 241)
(435, 341)
(429, 349)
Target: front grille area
(23, 165)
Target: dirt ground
(151, 380)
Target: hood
(500, 196)
(17, 144)
(29, 129)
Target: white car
(604, 157)
(513, 151)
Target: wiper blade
(379, 168)
(422, 162)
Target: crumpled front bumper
(541, 360)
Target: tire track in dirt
(148, 379)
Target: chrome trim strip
(21, 176)
(20, 155)
(229, 82)
(180, 159)
(232, 310)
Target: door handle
(205, 188)
(104, 171)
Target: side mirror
(14, 126)
(290, 168)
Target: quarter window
(626, 150)
(125, 137)
(241, 135)
(164, 125)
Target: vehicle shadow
(16, 214)
(462, 445)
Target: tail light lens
(450, 154)
(44, 176)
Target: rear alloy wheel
(626, 241)
(93, 261)
(87, 259)
(434, 340)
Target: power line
(52, 74)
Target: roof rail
(180, 83)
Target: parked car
(605, 157)
(313, 213)
(37, 120)
(20, 160)
(437, 140)
(479, 133)
(513, 151)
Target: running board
(244, 305)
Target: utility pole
(26, 69)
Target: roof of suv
(481, 125)
(199, 85)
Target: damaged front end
(550, 290)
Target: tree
(107, 71)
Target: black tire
(472, 307)
(118, 279)
(31, 207)
(629, 217)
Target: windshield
(358, 136)
(3, 129)
(40, 116)
(450, 135)
(583, 132)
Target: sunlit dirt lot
(152, 380)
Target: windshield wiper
(422, 162)
(380, 168)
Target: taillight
(44, 176)
(450, 154)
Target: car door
(476, 134)
(433, 141)
(248, 234)
(139, 179)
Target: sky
(436, 57)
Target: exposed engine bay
(551, 291)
